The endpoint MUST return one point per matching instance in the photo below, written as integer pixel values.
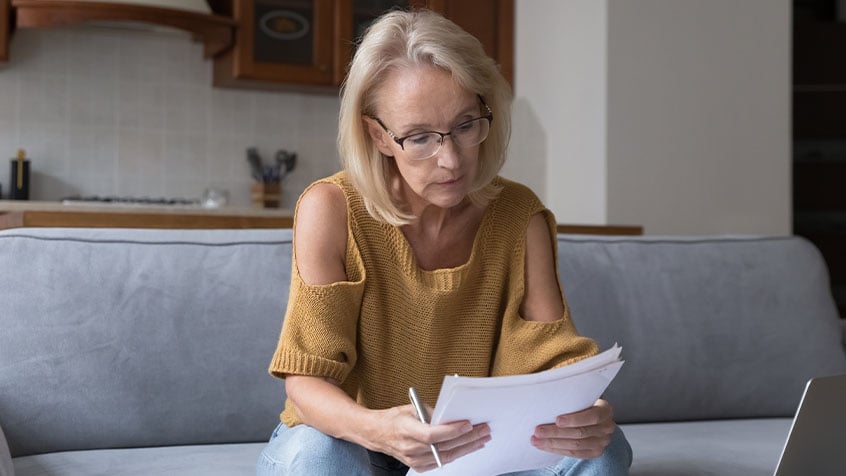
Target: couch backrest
(123, 338)
(717, 327)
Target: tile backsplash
(115, 111)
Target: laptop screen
(816, 444)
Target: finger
(447, 431)
(600, 412)
(575, 432)
(422, 459)
(479, 431)
(578, 448)
(464, 449)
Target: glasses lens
(471, 133)
(467, 134)
(422, 146)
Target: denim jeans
(304, 451)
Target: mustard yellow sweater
(392, 325)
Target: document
(513, 406)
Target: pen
(421, 413)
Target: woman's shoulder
(517, 196)
(320, 233)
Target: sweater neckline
(444, 278)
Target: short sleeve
(318, 335)
(529, 346)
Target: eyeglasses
(424, 145)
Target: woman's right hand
(407, 439)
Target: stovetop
(130, 201)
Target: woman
(418, 261)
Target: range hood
(215, 31)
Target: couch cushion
(729, 327)
(124, 338)
(720, 447)
(210, 460)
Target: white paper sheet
(513, 406)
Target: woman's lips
(449, 182)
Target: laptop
(816, 444)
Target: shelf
(214, 31)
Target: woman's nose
(448, 157)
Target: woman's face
(414, 100)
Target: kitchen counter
(17, 214)
(14, 214)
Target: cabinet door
(308, 44)
(353, 19)
(283, 41)
(4, 30)
(491, 21)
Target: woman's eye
(420, 139)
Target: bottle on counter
(19, 177)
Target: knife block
(266, 195)
(19, 180)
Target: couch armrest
(6, 468)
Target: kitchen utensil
(254, 160)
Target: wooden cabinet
(307, 44)
(5, 25)
(214, 31)
(280, 42)
(491, 21)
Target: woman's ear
(377, 133)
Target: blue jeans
(304, 451)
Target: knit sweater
(392, 325)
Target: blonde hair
(402, 39)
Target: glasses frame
(400, 140)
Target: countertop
(24, 213)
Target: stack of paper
(514, 405)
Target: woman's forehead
(425, 91)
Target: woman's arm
(542, 300)
(584, 434)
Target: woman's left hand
(583, 434)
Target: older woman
(418, 261)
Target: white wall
(699, 115)
(560, 107)
(677, 119)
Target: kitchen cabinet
(307, 44)
(5, 25)
(214, 31)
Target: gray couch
(144, 352)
